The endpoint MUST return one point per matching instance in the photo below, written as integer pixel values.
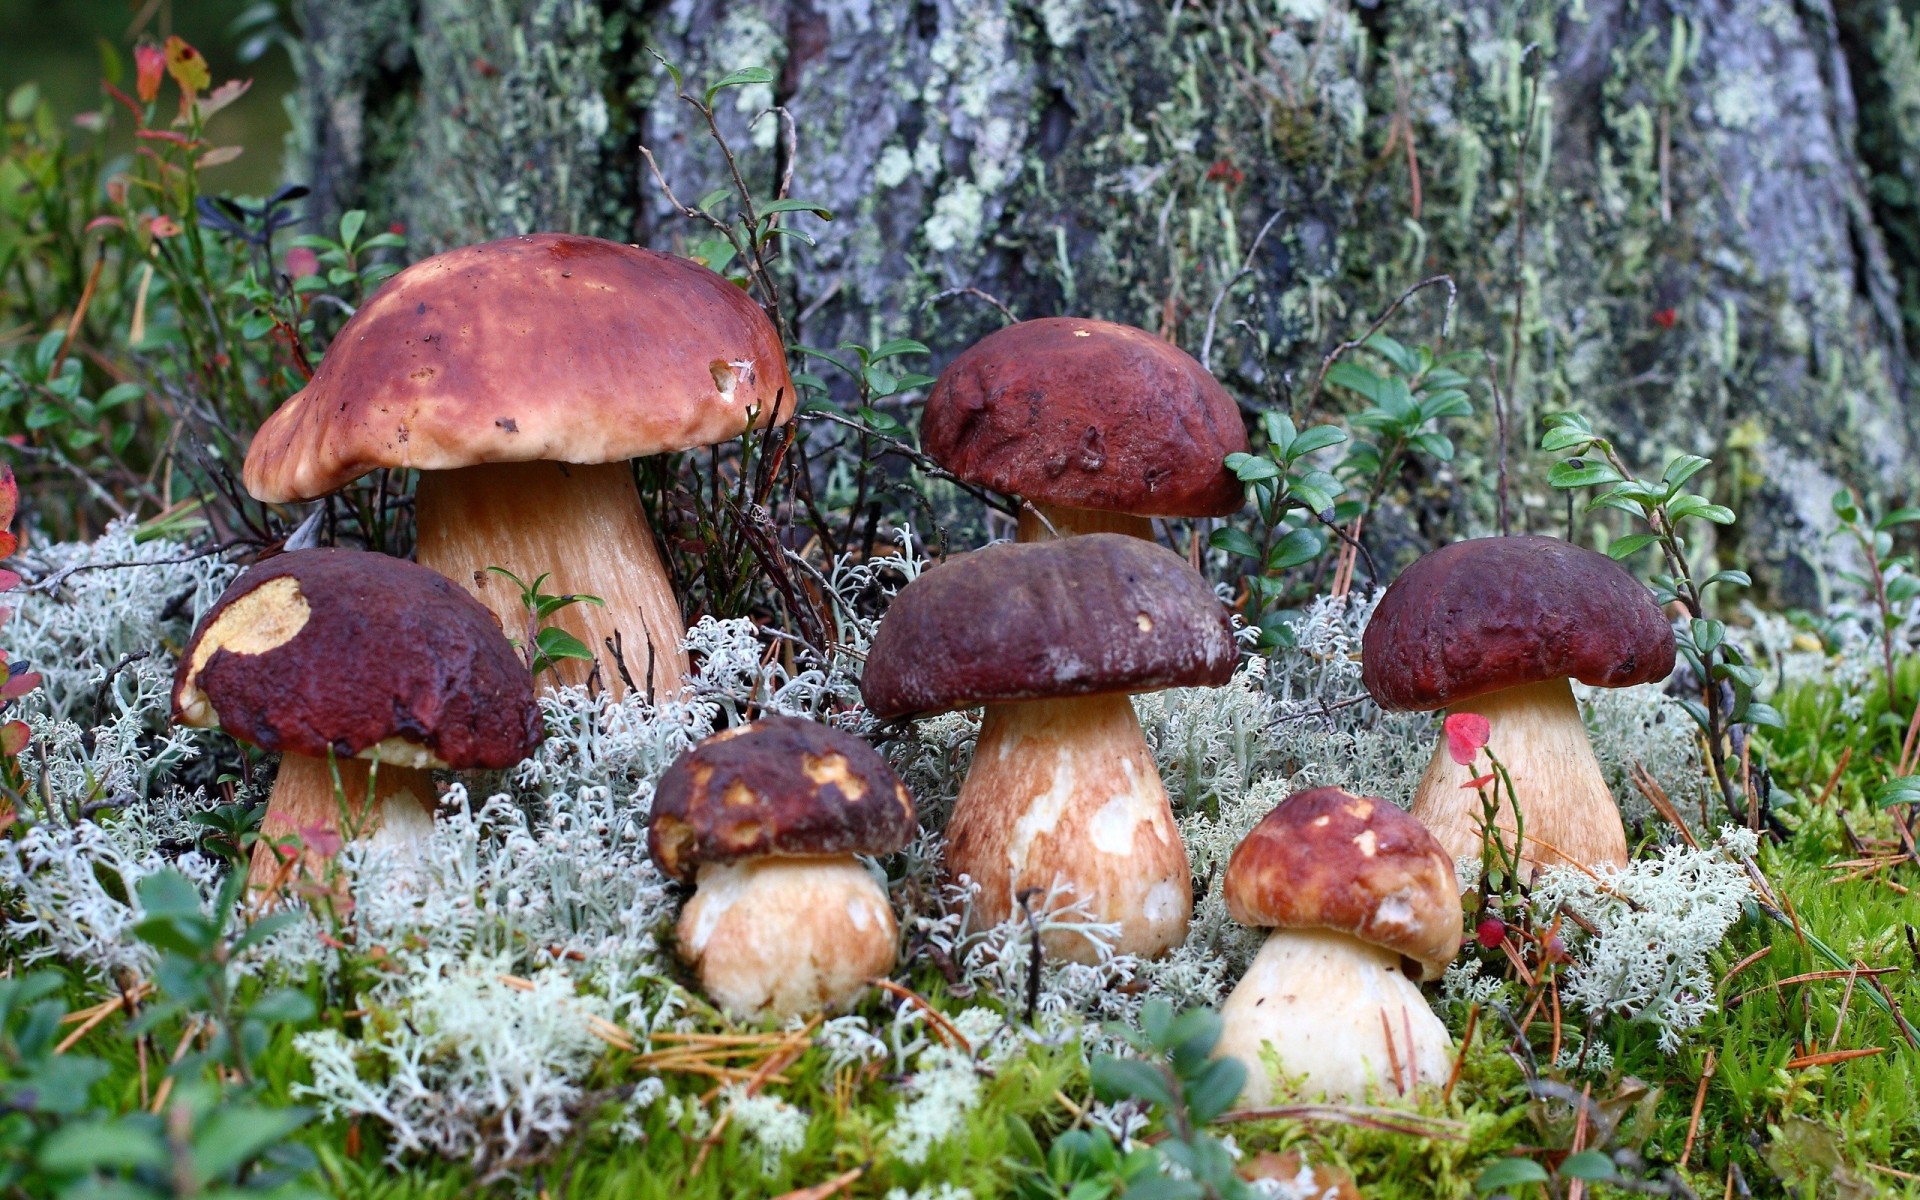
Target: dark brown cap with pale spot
(1088, 414)
(1478, 616)
(781, 786)
(362, 655)
(1328, 859)
(1078, 616)
(547, 346)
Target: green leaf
(1356, 378)
(1684, 468)
(740, 78)
(234, 1135)
(1393, 352)
(1899, 516)
(1629, 544)
(1736, 578)
(89, 1146)
(1128, 1078)
(1235, 541)
(1585, 474)
(1218, 1086)
(1707, 634)
(1510, 1171)
(1901, 789)
(897, 346)
(1299, 546)
(1315, 437)
(351, 222)
(1556, 440)
(1434, 445)
(787, 206)
(1251, 468)
(556, 644)
(1591, 1165)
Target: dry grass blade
(1742, 965)
(1460, 1057)
(820, 1191)
(942, 1028)
(1657, 796)
(1833, 780)
(1832, 1056)
(1699, 1102)
(1811, 977)
(90, 1018)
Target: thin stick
(1699, 1102)
(1833, 781)
(1246, 269)
(975, 292)
(1742, 965)
(1846, 999)
(1334, 355)
(1657, 796)
(942, 1028)
(1460, 1057)
(1832, 1056)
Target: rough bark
(1704, 267)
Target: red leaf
(13, 738)
(163, 227)
(149, 61)
(1467, 732)
(8, 580)
(302, 262)
(1481, 782)
(19, 685)
(1665, 318)
(187, 66)
(104, 223)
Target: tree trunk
(1703, 267)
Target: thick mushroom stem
(305, 804)
(1570, 815)
(1336, 1012)
(772, 937)
(1065, 792)
(1044, 522)
(582, 526)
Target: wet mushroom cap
(1328, 859)
(1080, 616)
(1492, 613)
(1088, 414)
(542, 347)
(782, 786)
(358, 653)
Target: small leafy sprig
(875, 378)
(1406, 403)
(1889, 576)
(1282, 482)
(546, 646)
(1664, 506)
(1186, 1087)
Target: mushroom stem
(1066, 792)
(581, 525)
(304, 803)
(1336, 1010)
(779, 936)
(1539, 737)
(1068, 522)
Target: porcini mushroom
(384, 667)
(765, 820)
(1499, 626)
(1362, 900)
(1052, 637)
(518, 377)
(1098, 426)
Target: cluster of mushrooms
(521, 377)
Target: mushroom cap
(1492, 613)
(546, 346)
(362, 655)
(1088, 414)
(782, 786)
(1328, 859)
(1079, 616)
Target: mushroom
(518, 377)
(1098, 426)
(765, 820)
(1052, 637)
(1361, 900)
(360, 664)
(1498, 626)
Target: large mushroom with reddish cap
(1499, 627)
(1362, 901)
(765, 819)
(1063, 795)
(360, 665)
(1098, 426)
(519, 377)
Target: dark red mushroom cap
(1493, 613)
(1088, 414)
(780, 786)
(360, 654)
(1077, 616)
(1328, 859)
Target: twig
(1699, 1102)
(1833, 780)
(1385, 1119)
(1460, 1058)
(1520, 225)
(942, 1028)
(1219, 297)
(1832, 1056)
(975, 292)
(1334, 355)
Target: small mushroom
(1052, 637)
(1498, 626)
(1098, 426)
(765, 819)
(382, 665)
(518, 377)
(1361, 900)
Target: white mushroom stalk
(1337, 1015)
(582, 526)
(1569, 813)
(776, 937)
(1064, 797)
(1039, 522)
(307, 805)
